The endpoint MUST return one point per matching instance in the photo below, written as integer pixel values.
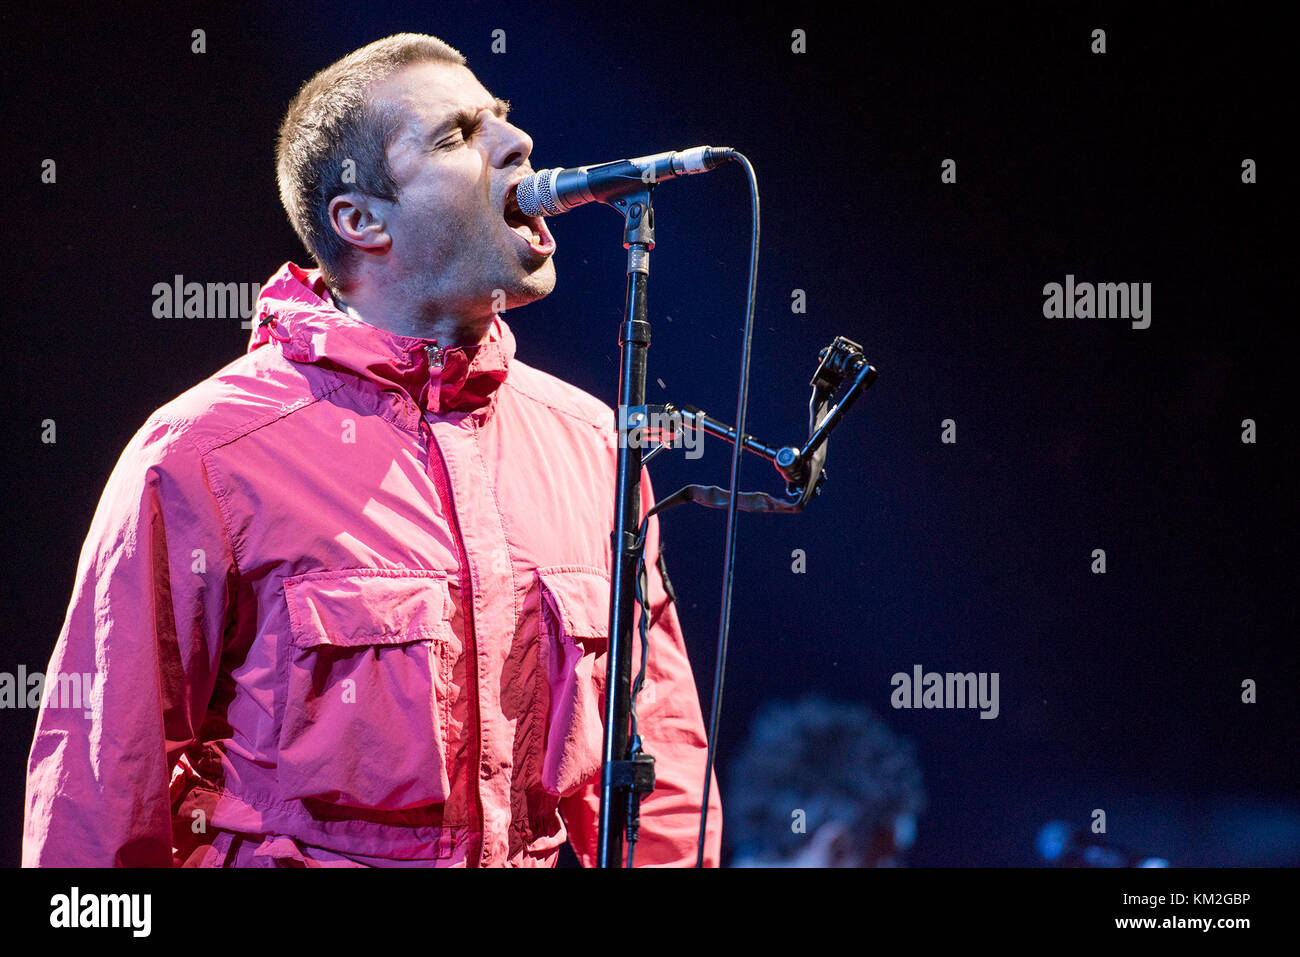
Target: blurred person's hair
(836, 762)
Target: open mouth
(531, 229)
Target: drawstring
(430, 396)
(270, 323)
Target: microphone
(550, 192)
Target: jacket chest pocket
(368, 668)
(573, 650)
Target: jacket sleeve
(143, 632)
(672, 729)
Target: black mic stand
(626, 776)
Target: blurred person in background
(820, 783)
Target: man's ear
(360, 221)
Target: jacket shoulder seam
(233, 434)
(216, 485)
(216, 480)
(514, 386)
(220, 493)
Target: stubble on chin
(535, 285)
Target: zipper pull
(434, 352)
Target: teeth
(529, 228)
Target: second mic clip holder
(800, 466)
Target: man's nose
(509, 145)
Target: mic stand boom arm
(841, 358)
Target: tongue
(517, 221)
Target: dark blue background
(1119, 691)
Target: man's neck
(447, 330)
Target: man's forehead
(432, 93)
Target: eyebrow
(465, 116)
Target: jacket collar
(296, 313)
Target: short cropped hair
(332, 129)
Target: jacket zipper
(442, 481)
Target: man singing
(346, 601)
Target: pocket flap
(368, 606)
(579, 598)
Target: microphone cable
(728, 561)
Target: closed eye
(468, 124)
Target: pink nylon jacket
(346, 603)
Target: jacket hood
(296, 314)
